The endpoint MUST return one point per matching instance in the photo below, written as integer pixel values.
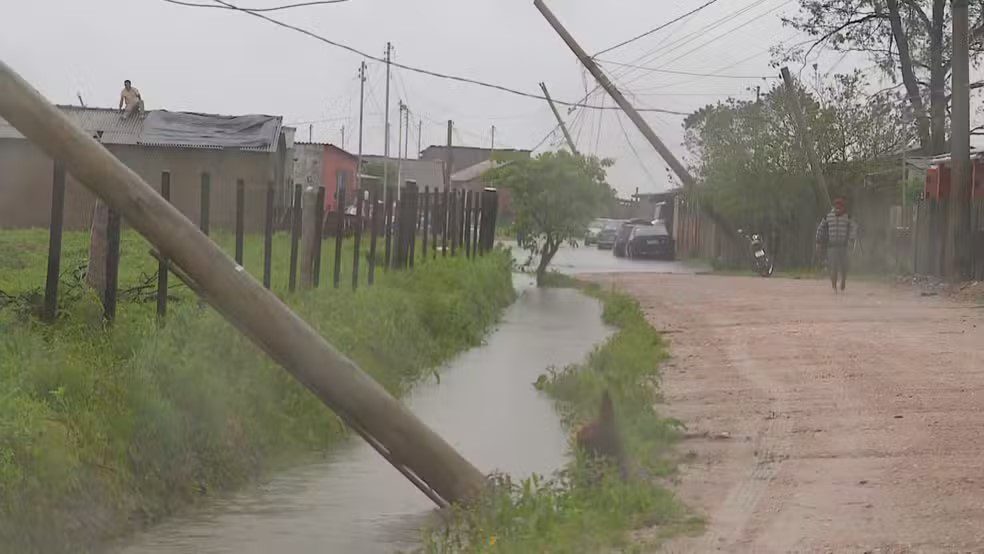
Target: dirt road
(854, 422)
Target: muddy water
(485, 405)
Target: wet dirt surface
(854, 421)
(485, 405)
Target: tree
(755, 173)
(910, 38)
(554, 197)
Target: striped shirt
(836, 230)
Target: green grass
(107, 429)
(587, 507)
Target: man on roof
(130, 97)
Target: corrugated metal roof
(110, 127)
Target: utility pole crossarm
(560, 121)
(678, 168)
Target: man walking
(130, 97)
(835, 232)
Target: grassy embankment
(105, 429)
(587, 507)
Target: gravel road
(853, 421)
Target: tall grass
(587, 507)
(104, 429)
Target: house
(426, 173)
(326, 165)
(470, 163)
(254, 148)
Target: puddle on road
(485, 405)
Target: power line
(651, 31)
(691, 73)
(431, 73)
(632, 147)
(257, 10)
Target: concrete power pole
(343, 137)
(448, 159)
(958, 260)
(406, 131)
(560, 121)
(806, 140)
(492, 148)
(386, 129)
(362, 105)
(420, 134)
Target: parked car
(606, 237)
(594, 228)
(622, 237)
(650, 241)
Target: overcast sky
(219, 61)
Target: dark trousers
(837, 264)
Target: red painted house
(325, 165)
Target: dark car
(622, 237)
(651, 241)
(606, 237)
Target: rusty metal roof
(110, 127)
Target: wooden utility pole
(806, 140)
(958, 251)
(363, 404)
(678, 168)
(386, 131)
(560, 121)
(362, 105)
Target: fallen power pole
(689, 183)
(563, 126)
(389, 427)
(681, 172)
(806, 140)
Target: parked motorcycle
(763, 263)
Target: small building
(426, 173)
(326, 165)
(253, 148)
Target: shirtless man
(130, 97)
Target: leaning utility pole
(681, 172)
(806, 141)
(560, 121)
(362, 105)
(386, 130)
(363, 404)
(957, 264)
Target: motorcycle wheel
(767, 268)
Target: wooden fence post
(162, 264)
(359, 202)
(339, 233)
(426, 224)
(445, 217)
(113, 226)
(398, 435)
(414, 225)
(268, 239)
(476, 203)
(388, 229)
(240, 221)
(319, 232)
(309, 237)
(435, 221)
(374, 205)
(205, 203)
(295, 237)
(468, 222)
(50, 310)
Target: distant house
(254, 148)
(326, 165)
(469, 165)
(426, 173)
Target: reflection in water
(485, 406)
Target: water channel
(485, 405)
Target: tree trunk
(549, 250)
(909, 75)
